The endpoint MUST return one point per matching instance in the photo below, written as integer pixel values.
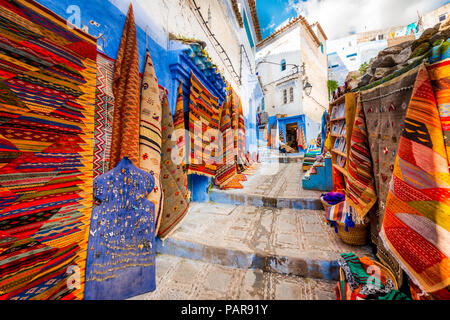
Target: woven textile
(104, 111)
(173, 177)
(179, 128)
(47, 94)
(126, 89)
(121, 258)
(150, 133)
(360, 191)
(301, 140)
(226, 168)
(440, 80)
(203, 129)
(385, 108)
(338, 212)
(417, 218)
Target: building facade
(294, 55)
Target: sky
(340, 18)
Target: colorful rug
(360, 191)
(203, 129)
(417, 218)
(338, 212)
(301, 140)
(47, 95)
(150, 133)
(104, 111)
(121, 257)
(226, 168)
(385, 108)
(180, 129)
(126, 89)
(173, 177)
(440, 80)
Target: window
(350, 44)
(283, 65)
(442, 17)
(381, 37)
(284, 96)
(291, 94)
(321, 47)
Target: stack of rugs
(310, 158)
(365, 280)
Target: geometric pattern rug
(47, 94)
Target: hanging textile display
(126, 85)
(416, 221)
(203, 129)
(360, 190)
(385, 108)
(301, 140)
(150, 133)
(173, 177)
(104, 111)
(226, 168)
(179, 128)
(121, 257)
(440, 80)
(47, 94)
(241, 161)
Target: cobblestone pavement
(181, 279)
(267, 231)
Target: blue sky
(339, 18)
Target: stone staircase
(266, 241)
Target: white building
(295, 54)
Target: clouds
(339, 18)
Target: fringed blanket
(150, 133)
(203, 129)
(416, 223)
(104, 111)
(173, 177)
(47, 95)
(126, 89)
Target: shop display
(47, 92)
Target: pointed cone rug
(150, 133)
(173, 177)
(180, 129)
(126, 83)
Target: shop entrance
(291, 135)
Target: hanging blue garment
(120, 259)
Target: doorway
(291, 135)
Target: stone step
(221, 196)
(274, 185)
(184, 279)
(276, 240)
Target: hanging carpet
(173, 177)
(203, 129)
(416, 222)
(47, 95)
(126, 89)
(150, 133)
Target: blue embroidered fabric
(120, 259)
